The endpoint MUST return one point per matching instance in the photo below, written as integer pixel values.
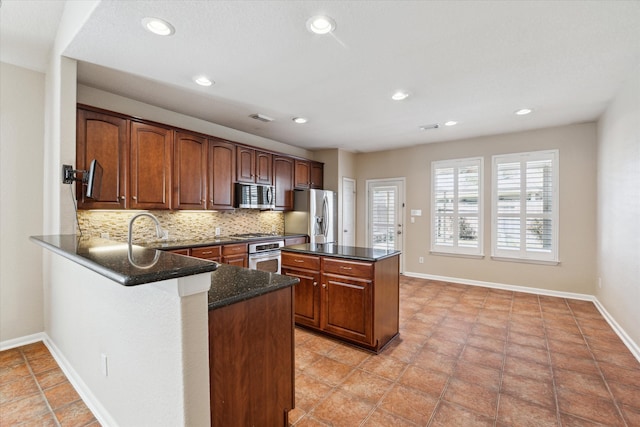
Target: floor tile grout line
(42, 394)
(597, 363)
(556, 398)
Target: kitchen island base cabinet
(352, 300)
(251, 361)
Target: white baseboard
(98, 410)
(626, 339)
(20, 341)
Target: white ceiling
(473, 62)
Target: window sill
(457, 255)
(525, 260)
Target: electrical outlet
(218, 231)
(104, 235)
(165, 234)
(104, 365)
(421, 260)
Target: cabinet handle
(134, 197)
(211, 201)
(315, 283)
(346, 268)
(298, 260)
(324, 285)
(121, 197)
(207, 252)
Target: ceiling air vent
(261, 117)
(427, 127)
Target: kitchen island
(140, 333)
(349, 293)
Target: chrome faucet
(159, 230)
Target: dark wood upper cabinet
(151, 149)
(222, 169)
(302, 174)
(254, 166)
(317, 175)
(283, 181)
(308, 174)
(105, 138)
(189, 171)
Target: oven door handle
(267, 254)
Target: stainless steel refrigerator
(315, 213)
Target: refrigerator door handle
(325, 214)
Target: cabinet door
(317, 175)
(150, 166)
(306, 296)
(237, 260)
(283, 181)
(347, 309)
(189, 171)
(246, 166)
(263, 173)
(105, 138)
(302, 174)
(222, 169)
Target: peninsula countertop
(338, 251)
(114, 261)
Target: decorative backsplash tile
(180, 224)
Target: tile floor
(35, 392)
(472, 356)
(466, 356)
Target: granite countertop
(231, 284)
(337, 251)
(111, 259)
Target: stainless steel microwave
(255, 196)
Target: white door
(348, 212)
(385, 214)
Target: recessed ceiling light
(203, 80)
(300, 120)
(321, 24)
(524, 111)
(158, 26)
(432, 126)
(450, 123)
(399, 95)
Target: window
(525, 206)
(457, 206)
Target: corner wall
(577, 147)
(21, 175)
(618, 253)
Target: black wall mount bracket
(68, 174)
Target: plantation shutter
(525, 209)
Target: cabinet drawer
(239, 248)
(206, 252)
(184, 251)
(300, 261)
(348, 268)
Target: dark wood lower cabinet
(356, 301)
(251, 361)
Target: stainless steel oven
(265, 256)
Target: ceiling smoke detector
(261, 117)
(432, 126)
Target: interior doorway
(348, 212)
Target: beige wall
(619, 207)
(577, 154)
(21, 179)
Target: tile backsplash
(180, 224)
